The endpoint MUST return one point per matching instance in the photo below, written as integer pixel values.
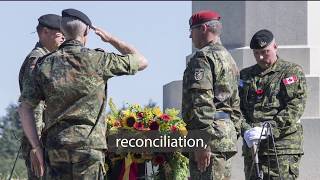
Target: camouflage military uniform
(210, 88)
(72, 82)
(276, 95)
(26, 73)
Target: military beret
(78, 15)
(203, 16)
(51, 21)
(261, 39)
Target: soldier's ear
(86, 32)
(275, 46)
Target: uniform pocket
(226, 129)
(294, 165)
(219, 129)
(227, 139)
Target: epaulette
(84, 50)
(40, 60)
(99, 49)
(35, 54)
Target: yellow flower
(148, 113)
(165, 127)
(128, 121)
(126, 112)
(157, 111)
(182, 130)
(136, 106)
(110, 120)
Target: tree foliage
(151, 104)
(10, 135)
(10, 132)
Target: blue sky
(157, 29)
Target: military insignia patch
(262, 43)
(290, 80)
(198, 74)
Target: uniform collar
(40, 47)
(211, 44)
(71, 43)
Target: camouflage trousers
(74, 164)
(25, 151)
(288, 165)
(219, 168)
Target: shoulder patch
(198, 74)
(290, 80)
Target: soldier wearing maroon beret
(210, 101)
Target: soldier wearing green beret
(50, 37)
(72, 81)
(273, 92)
(210, 99)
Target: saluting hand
(105, 36)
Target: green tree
(10, 132)
(10, 135)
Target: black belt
(221, 116)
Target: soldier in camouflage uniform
(72, 83)
(210, 100)
(50, 38)
(274, 91)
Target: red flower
(140, 115)
(165, 117)
(259, 91)
(154, 125)
(138, 125)
(173, 128)
(159, 159)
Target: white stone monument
(296, 28)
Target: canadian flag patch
(290, 80)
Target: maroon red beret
(203, 16)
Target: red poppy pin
(259, 92)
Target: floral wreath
(172, 165)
